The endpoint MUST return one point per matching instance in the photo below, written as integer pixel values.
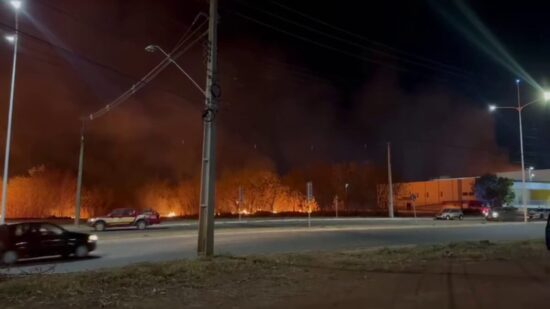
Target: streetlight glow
(151, 48)
(546, 96)
(12, 39)
(492, 108)
(16, 4)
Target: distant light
(517, 81)
(547, 96)
(16, 4)
(492, 108)
(10, 38)
(171, 214)
(531, 168)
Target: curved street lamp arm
(169, 57)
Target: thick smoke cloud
(435, 132)
(273, 112)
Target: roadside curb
(271, 230)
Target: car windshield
(116, 213)
(128, 213)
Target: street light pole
(519, 109)
(390, 185)
(523, 189)
(79, 177)
(16, 5)
(208, 170)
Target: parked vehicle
(450, 214)
(504, 214)
(125, 217)
(538, 213)
(39, 239)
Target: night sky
(301, 82)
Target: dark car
(39, 239)
(504, 214)
(538, 213)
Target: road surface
(128, 246)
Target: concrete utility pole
(79, 177)
(346, 186)
(239, 210)
(208, 171)
(335, 202)
(309, 189)
(390, 184)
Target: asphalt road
(169, 242)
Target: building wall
(434, 193)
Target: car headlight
(92, 238)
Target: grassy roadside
(206, 283)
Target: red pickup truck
(122, 217)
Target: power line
(149, 76)
(362, 46)
(270, 26)
(355, 35)
(95, 26)
(332, 48)
(70, 52)
(86, 59)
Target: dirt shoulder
(465, 275)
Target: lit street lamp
(14, 40)
(16, 4)
(519, 108)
